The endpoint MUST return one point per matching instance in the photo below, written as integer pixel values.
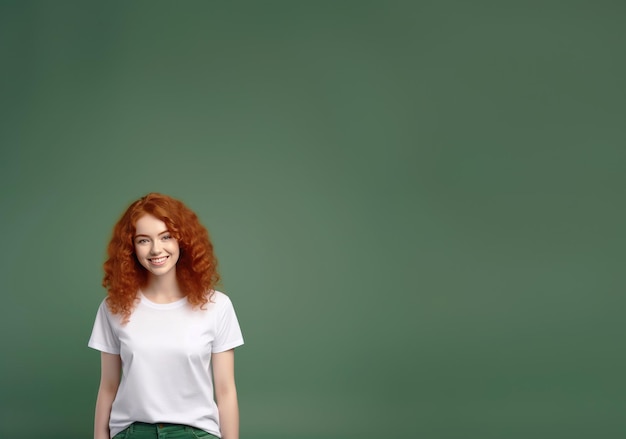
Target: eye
(166, 237)
(142, 240)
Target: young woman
(166, 336)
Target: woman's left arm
(226, 393)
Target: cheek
(140, 254)
(176, 252)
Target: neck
(163, 289)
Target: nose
(155, 249)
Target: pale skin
(158, 252)
(110, 374)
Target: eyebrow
(147, 236)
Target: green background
(418, 207)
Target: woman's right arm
(110, 374)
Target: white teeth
(158, 260)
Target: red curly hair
(196, 269)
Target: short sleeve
(228, 334)
(103, 336)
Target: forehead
(149, 225)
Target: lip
(157, 262)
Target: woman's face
(156, 249)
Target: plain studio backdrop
(418, 207)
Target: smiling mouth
(158, 261)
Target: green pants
(140, 430)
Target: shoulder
(104, 311)
(222, 302)
(104, 307)
(219, 298)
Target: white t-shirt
(166, 356)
